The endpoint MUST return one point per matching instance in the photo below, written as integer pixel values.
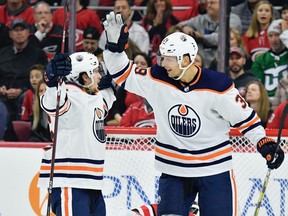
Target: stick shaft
(56, 117)
(262, 193)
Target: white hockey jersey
(81, 142)
(193, 120)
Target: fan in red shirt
(85, 18)
(16, 9)
(36, 74)
(275, 118)
(139, 114)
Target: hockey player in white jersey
(80, 149)
(194, 109)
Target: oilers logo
(183, 120)
(98, 125)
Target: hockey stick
(56, 116)
(285, 111)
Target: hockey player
(194, 108)
(80, 149)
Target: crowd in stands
(31, 35)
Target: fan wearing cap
(15, 61)
(85, 17)
(274, 62)
(239, 76)
(91, 37)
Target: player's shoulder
(213, 80)
(206, 79)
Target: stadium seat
(22, 129)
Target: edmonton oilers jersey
(193, 119)
(81, 141)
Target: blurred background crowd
(31, 35)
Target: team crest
(183, 120)
(98, 125)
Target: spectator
(124, 98)
(245, 12)
(102, 13)
(185, 14)
(257, 98)
(284, 12)
(50, 2)
(239, 76)
(4, 35)
(281, 94)
(40, 125)
(138, 114)
(15, 61)
(284, 34)
(275, 118)
(199, 60)
(255, 38)
(14, 9)
(138, 15)
(44, 33)
(205, 27)
(36, 75)
(158, 20)
(85, 17)
(271, 66)
(136, 32)
(235, 41)
(3, 119)
(91, 37)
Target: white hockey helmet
(82, 62)
(178, 44)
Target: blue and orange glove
(57, 68)
(116, 32)
(267, 148)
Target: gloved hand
(105, 82)
(58, 67)
(267, 148)
(116, 32)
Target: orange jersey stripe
(64, 109)
(249, 123)
(125, 75)
(217, 92)
(201, 158)
(79, 168)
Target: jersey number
(241, 100)
(141, 71)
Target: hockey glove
(267, 148)
(105, 82)
(116, 32)
(57, 68)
